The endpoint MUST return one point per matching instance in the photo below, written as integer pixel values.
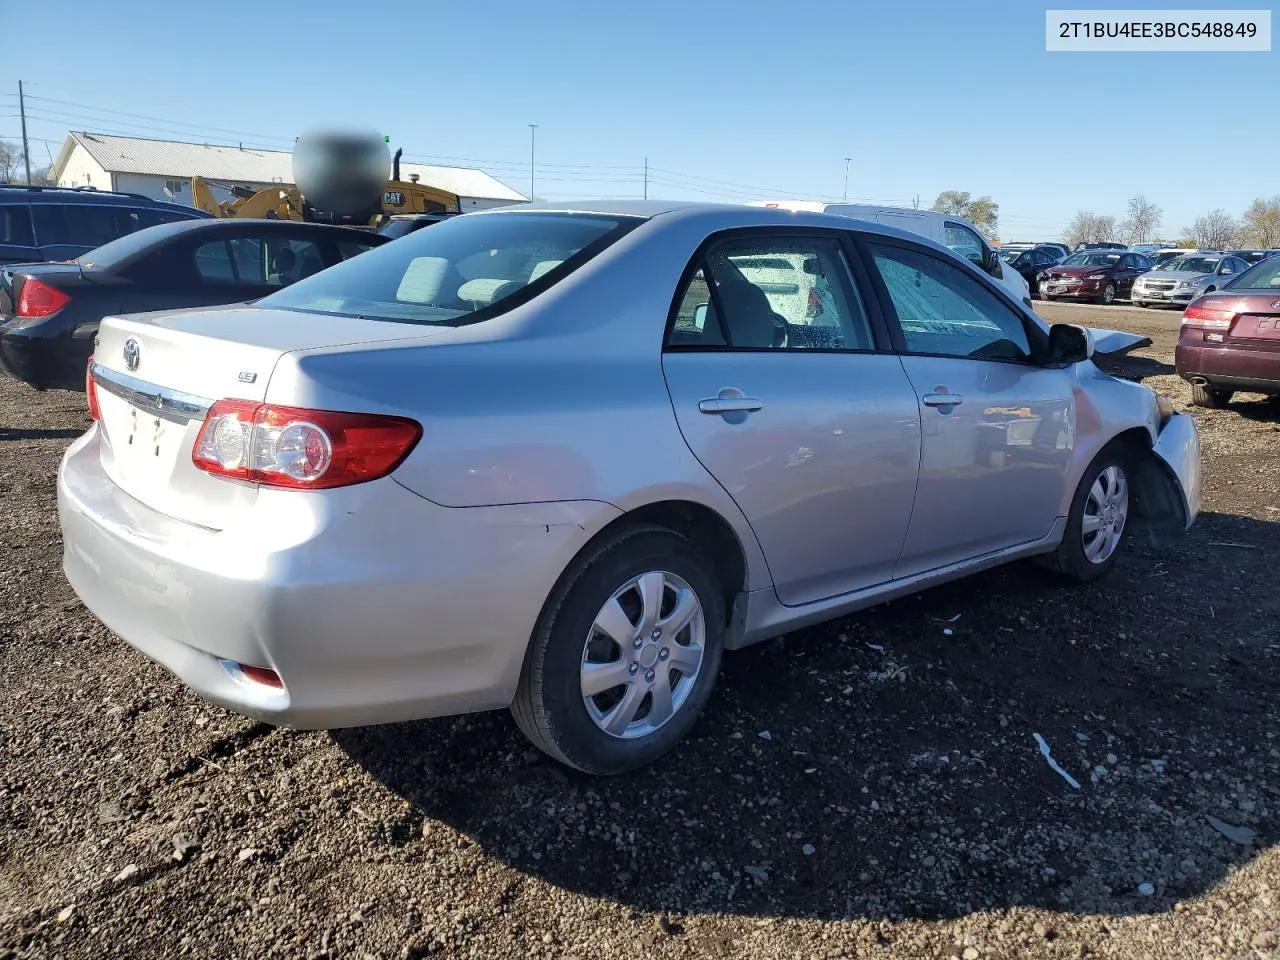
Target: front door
(997, 429)
(779, 390)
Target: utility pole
(533, 127)
(646, 178)
(26, 145)
(846, 178)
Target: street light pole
(846, 178)
(532, 133)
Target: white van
(950, 231)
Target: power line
(139, 116)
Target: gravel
(913, 818)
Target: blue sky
(731, 101)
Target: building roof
(172, 158)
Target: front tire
(1109, 293)
(1097, 523)
(625, 653)
(1207, 396)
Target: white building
(162, 169)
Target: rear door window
(15, 225)
(213, 262)
(92, 226)
(50, 224)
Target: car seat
(282, 263)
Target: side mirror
(812, 266)
(990, 262)
(700, 316)
(1069, 344)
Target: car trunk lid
(158, 374)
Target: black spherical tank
(341, 173)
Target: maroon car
(1230, 339)
(1099, 275)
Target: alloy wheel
(1105, 511)
(642, 655)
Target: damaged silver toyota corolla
(561, 458)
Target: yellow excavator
(288, 202)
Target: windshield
(1008, 256)
(1261, 276)
(456, 269)
(1092, 260)
(1191, 265)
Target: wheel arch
(1160, 508)
(711, 532)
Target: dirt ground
(869, 788)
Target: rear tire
(1098, 521)
(1210, 397)
(1109, 293)
(569, 646)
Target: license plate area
(1252, 326)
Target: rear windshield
(1262, 276)
(454, 272)
(117, 252)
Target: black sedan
(1031, 263)
(49, 312)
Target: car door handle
(716, 405)
(941, 399)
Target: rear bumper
(374, 605)
(44, 362)
(1234, 368)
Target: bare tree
(10, 162)
(40, 177)
(1142, 222)
(1262, 223)
(1216, 230)
(982, 212)
(1088, 227)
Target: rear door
(997, 430)
(809, 426)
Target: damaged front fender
(1168, 480)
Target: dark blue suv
(38, 224)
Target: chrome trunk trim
(173, 405)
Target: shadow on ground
(832, 778)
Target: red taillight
(39, 299)
(91, 390)
(1198, 315)
(299, 448)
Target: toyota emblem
(132, 353)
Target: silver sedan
(1184, 279)
(559, 459)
